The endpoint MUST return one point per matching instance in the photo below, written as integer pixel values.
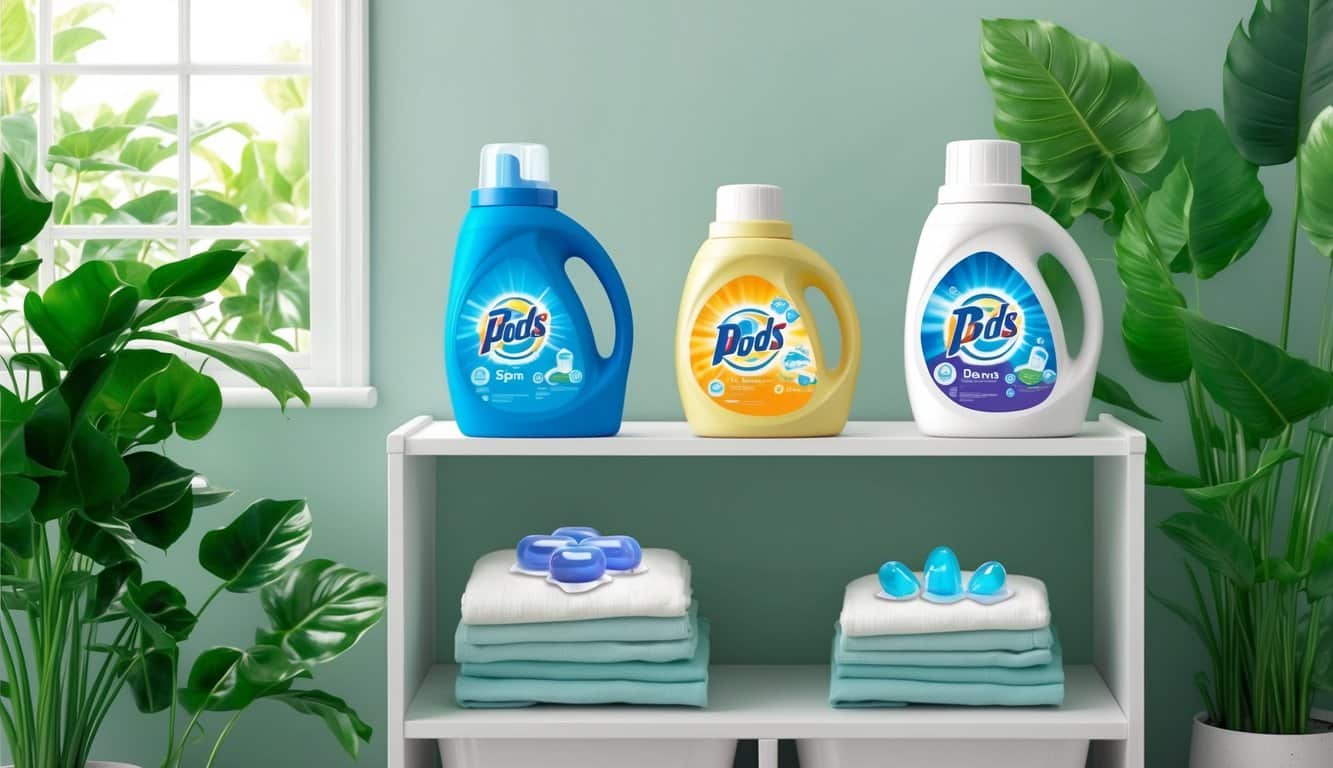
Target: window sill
(320, 397)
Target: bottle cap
(749, 202)
(984, 171)
(514, 173)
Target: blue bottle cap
(578, 564)
(514, 174)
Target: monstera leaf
(1083, 113)
(1316, 209)
(320, 609)
(258, 545)
(1278, 75)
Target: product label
(750, 352)
(517, 345)
(986, 339)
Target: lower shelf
(770, 702)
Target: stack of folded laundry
(634, 639)
(921, 649)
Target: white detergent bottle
(984, 347)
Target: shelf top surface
(424, 436)
(754, 702)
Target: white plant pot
(97, 764)
(1213, 747)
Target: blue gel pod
(576, 532)
(623, 553)
(987, 579)
(944, 579)
(577, 564)
(534, 552)
(898, 581)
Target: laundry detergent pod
(944, 579)
(987, 584)
(623, 553)
(576, 532)
(578, 568)
(533, 553)
(897, 582)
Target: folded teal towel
(1032, 658)
(1046, 674)
(855, 692)
(691, 670)
(596, 652)
(477, 692)
(630, 629)
(976, 640)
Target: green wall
(647, 107)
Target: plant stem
(1291, 258)
(217, 745)
(208, 601)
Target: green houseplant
(1183, 201)
(87, 481)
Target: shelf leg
(1118, 597)
(411, 612)
(768, 753)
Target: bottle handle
(823, 277)
(595, 256)
(1067, 252)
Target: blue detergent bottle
(519, 352)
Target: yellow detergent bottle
(748, 359)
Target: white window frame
(336, 369)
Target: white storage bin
(941, 753)
(578, 753)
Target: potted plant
(1183, 201)
(87, 482)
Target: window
(268, 98)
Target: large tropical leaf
(156, 482)
(23, 209)
(258, 545)
(151, 674)
(343, 721)
(1220, 203)
(1215, 543)
(194, 276)
(1278, 75)
(1266, 389)
(1081, 111)
(226, 679)
(1151, 325)
(320, 609)
(1158, 472)
(261, 367)
(1316, 167)
(81, 315)
(158, 609)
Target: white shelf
(426, 437)
(769, 702)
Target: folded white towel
(864, 615)
(496, 596)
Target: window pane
(18, 30)
(251, 145)
(267, 298)
(115, 150)
(115, 32)
(18, 120)
(250, 31)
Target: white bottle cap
(749, 202)
(514, 164)
(984, 171)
